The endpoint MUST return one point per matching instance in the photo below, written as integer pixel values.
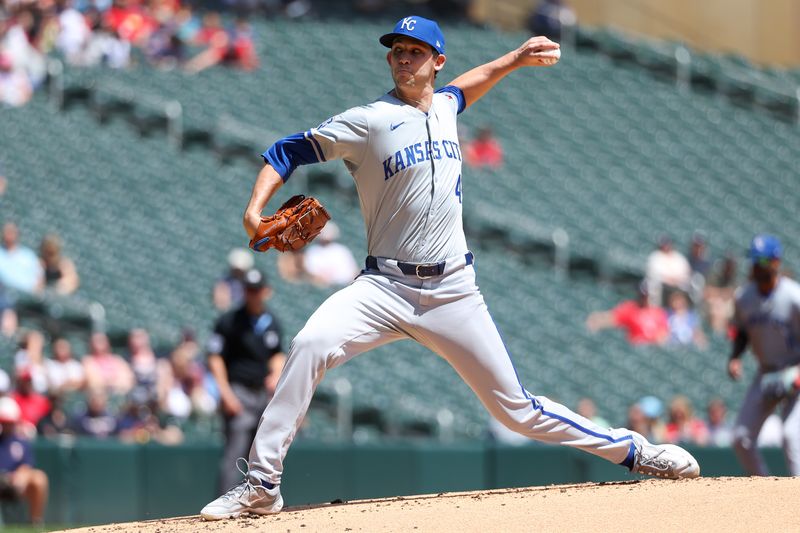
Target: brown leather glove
(293, 225)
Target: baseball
(552, 57)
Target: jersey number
(458, 189)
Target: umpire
(246, 359)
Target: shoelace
(654, 461)
(245, 487)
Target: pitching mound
(703, 504)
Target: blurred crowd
(136, 396)
(680, 297)
(116, 33)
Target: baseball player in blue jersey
(767, 318)
(419, 283)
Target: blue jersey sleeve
(455, 93)
(292, 151)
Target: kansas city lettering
(419, 153)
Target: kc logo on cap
(419, 28)
(408, 23)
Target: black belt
(419, 270)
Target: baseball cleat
(663, 460)
(244, 498)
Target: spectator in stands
(228, 291)
(15, 86)
(644, 417)
(587, 409)
(484, 150)
(246, 360)
(33, 406)
(60, 273)
(74, 32)
(106, 370)
(19, 43)
(683, 427)
(329, 262)
(139, 423)
(700, 266)
(30, 356)
(57, 422)
(19, 480)
(131, 21)
(685, 328)
(19, 266)
(96, 420)
(105, 46)
(643, 322)
(720, 430)
(65, 374)
(165, 49)
(549, 17)
(233, 48)
(719, 291)
(667, 270)
(151, 373)
(637, 421)
(698, 259)
(291, 266)
(186, 393)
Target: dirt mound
(703, 504)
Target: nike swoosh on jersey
(393, 127)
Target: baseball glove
(293, 225)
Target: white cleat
(663, 460)
(244, 498)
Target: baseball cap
(765, 247)
(9, 410)
(419, 28)
(254, 279)
(651, 406)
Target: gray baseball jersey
(407, 168)
(772, 323)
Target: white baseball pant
(446, 314)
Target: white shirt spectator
(669, 268)
(60, 373)
(74, 34)
(329, 262)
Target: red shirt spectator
(484, 151)
(32, 405)
(683, 426)
(644, 324)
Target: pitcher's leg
(355, 319)
(465, 335)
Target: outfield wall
(95, 482)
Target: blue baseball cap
(419, 28)
(765, 247)
(651, 407)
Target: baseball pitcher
(419, 281)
